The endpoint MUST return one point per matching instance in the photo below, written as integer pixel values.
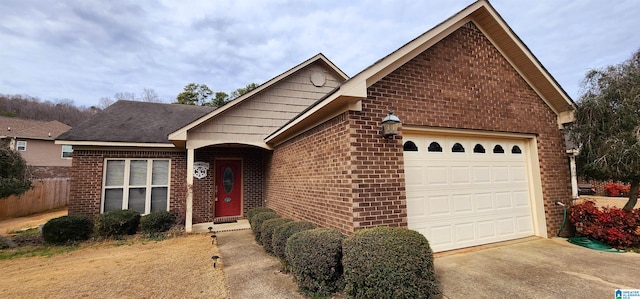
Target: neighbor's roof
(487, 19)
(132, 122)
(31, 129)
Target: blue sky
(85, 50)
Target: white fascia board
(119, 144)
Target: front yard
(179, 267)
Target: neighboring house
(34, 140)
(479, 157)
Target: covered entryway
(464, 191)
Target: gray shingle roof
(139, 122)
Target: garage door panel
(506, 226)
(413, 175)
(484, 201)
(464, 232)
(463, 203)
(440, 235)
(418, 207)
(524, 224)
(467, 199)
(486, 229)
(460, 175)
(503, 200)
(520, 198)
(518, 174)
(500, 174)
(437, 176)
(481, 175)
(438, 205)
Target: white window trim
(18, 143)
(126, 186)
(62, 152)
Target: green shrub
(256, 223)
(386, 262)
(118, 223)
(156, 222)
(67, 229)
(314, 258)
(266, 231)
(283, 232)
(255, 211)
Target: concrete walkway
(250, 271)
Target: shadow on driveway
(537, 268)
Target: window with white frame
(21, 146)
(67, 151)
(136, 184)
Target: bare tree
(105, 102)
(129, 96)
(149, 95)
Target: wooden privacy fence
(45, 195)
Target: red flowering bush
(613, 226)
(617, 189)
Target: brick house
(479, 157)
(34, 140)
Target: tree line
(27, 107)
(64, 111)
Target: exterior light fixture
(215, 260)
(214, 239)
(390, 125)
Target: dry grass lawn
(180, 267)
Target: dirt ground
(9, 225)
(180, 267)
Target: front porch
(225, 181)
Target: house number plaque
(200, 170)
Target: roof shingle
(139, 122)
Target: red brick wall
(461, 82)
(464, 82)
(253, 179)
(87, 172)
(309, 177)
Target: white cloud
(85, 50)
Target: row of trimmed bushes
(381, 262)
(118, 223)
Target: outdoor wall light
(215, 260)
(390, 125)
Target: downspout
(574, 176)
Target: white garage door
(466, 191)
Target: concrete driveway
(536, 268)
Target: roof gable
(487, 19)
(181, 133)
(134, 122)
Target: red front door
(228, 190)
